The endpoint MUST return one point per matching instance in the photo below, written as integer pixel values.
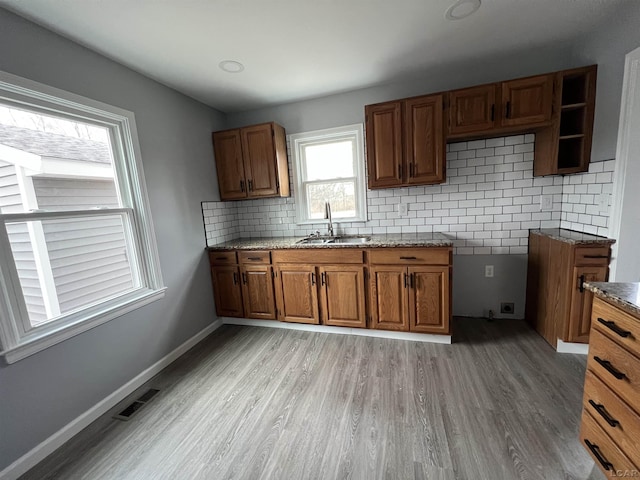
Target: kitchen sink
(346, 240)
(351, 240)
(315, 241)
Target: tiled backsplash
(586, 199)
(487, 205)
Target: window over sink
(329, 167)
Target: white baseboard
(414, 337)
(55, 441)
(568, 347)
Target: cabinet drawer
(317, 256)
(616, 324)
(604, 451)
(261, 256)
(410, 256)
(615, 366)
(592, 255)
(222, 258)
(620, 422)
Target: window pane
(341, 195)
(52, 163)
(66, 264)
(329, 160)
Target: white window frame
(299, 140)
(18, 339)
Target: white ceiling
(295, 49)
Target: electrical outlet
(507, 307)
(403, 209)
(488, 270)
(546, 202)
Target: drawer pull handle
(606, 364)
(612, 326)
(598, 454)
(221, 258)
(598, 407)
(596, 256)
(255, 259)
(408, 258)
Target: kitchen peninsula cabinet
(252, 162)
(610, 425)
(405, 142)
(559, 263)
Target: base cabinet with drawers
(400, 289)
(610, 429)
(558, 306)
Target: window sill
(35, 344)
(334, 221)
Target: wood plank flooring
(260, 403)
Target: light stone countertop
(626, 295)
(573, 237)
(376, 241)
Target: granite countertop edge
(573, 237)
(625, 295)
(291, 243)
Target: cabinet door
(424, 151)
(297, 293)
(429, 299)
(581, 300)
(226, 291)
(342, 295)
(259, 160)
(257, 291)
(227, 148)
(389, 287)
(527, 101)
(384, 144)
(472, 110)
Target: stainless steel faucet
(327, 215)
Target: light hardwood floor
(260, 403)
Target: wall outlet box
(403, 209)
(488, 270)
(546, 202)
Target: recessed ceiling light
(461, 9)
(231, 66)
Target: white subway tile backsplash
(487, 205)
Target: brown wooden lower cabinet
(342, 295)
(227, 291)
(297, 293)
(257, 291)
(558, 306)
(414, 295)
(414, 299)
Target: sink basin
(315, 241)
(334, 240)
(352, 240)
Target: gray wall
(607, 47)
(44, 392)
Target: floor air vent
(145, 398)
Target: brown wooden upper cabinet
(252, 162)
(472, 109)
(527, 101)
(405, 142)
